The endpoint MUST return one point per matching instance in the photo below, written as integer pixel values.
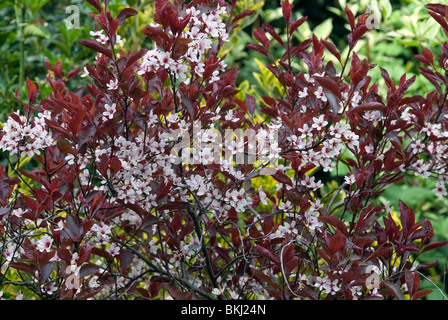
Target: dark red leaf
(351, 17)
(251, 103)
(258, 48)
(95, 4)
(260, 36)
(407, 217)
(286, 9)
(440, 20)
(87, 293)
(386, 78)
(32, 91)
(273, 33)
(434, 245)
(330, 47)
(368, 106)
(242, 15)
(359, 32)
(175, 293)
(336, 243)
(267, 254)
(422, 59)
(335, 222)
(86, 134)
(126, 257)
(95, 46)
(64, 147)
(180, 47)
(73, 226)
(133, 58)
(72, 73)
(421, 293)
(282, 178)
(393, 289)
(330, 84)
(88, 269)
(297, 24)
(126, 13)
(439, 8)
(412, 281)
(22, 267)
(75, 123)
(45, 271)
(114, 165)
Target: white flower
(308, 78)
(102, 232)
(60, 226)
(262, 196)
(286, 206)
(309, 182)
(44, 244)
(418, 146)
(55, 258)
(18, 212)
(331, 286)
(422, 169)
(387, 207)
(440, 189)
(320, 283)
(217, 291)
(304, 93)
(207, 155)
(373, 116)
(350, 179)
(113, 84)
(230, 116)
(153, 247)
(70, 159)
(93, 282)
(100, 37)
(85, 73)
(236, 147)
(316, 205)
(110, 111)
(234, 295)
(306, 131)
(319, 123)
(114, 249)
(369, 148)
(320, 94)
(10, 251)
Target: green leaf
(386, 8)
(324, 29)
(32, 30)
(34, 6)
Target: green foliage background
(31, 30)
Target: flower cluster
(23, 138)
(156, 176)
(203, 28)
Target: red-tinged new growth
(144, 184)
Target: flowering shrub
(148, 179)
